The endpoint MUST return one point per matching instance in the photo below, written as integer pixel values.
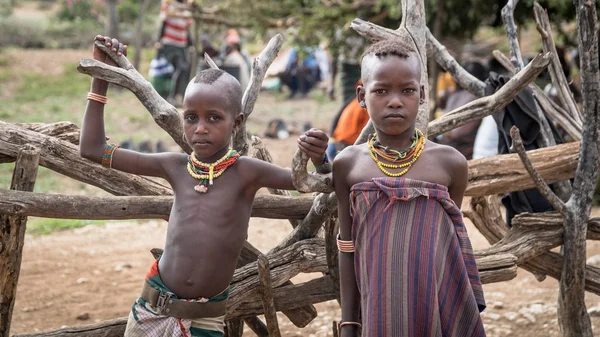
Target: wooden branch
(557, 113)
(497, 268)
(259, 68)
(486, 215)
(555, 69)
(552, 264)
(132, 207)
(164, 114)
(234, 327)
(517, 146)
(511, 33)
(66, 131)
(324, 205)
(266, 292)
(13, 236)
(64, 158)
(526, 242)
(305, 182)
(485, 106)
(375, 33)
(331, 252)
(257, 326)
(299, 316)
(464, 79)
(210, 61)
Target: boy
(186, 289)
(406, 263)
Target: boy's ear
(422, 95)
(239, 119)
(360, 93)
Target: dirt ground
(94, 273)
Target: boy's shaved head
(383, 49)
(229, 84)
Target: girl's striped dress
(413, 260)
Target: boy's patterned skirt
(144, 321)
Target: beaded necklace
(206, 173)
(399, 159)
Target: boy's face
(208, 119)
(392, 92)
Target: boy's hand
(314, 143)
(116, 46)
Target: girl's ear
(360, 95)
(422, 95)
(239, 119)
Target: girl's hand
(116, 46)
(314, 143)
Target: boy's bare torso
(206, 231)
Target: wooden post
(573, 318)
(13, 234)
(331, 230)
(194, 61)
(234, 328)
(139, 34)
(266, 291)
(257, 326)
(336, 332)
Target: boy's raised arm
(92, 142)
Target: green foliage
(6, 7)
(79, 10)
(319, 20)
(49, 92)
(41, 226)
(21, 33)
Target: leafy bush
(21, 33)
(72, 10)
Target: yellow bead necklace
(405, 163)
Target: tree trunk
(573, 318)
(433, 66)
(139, 34)
(112, 19)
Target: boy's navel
(189, 282)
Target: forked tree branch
(556, 73)
(517, 146)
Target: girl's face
(392, 93)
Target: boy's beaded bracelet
(107, 157)
(345, 246)
(96, 97)
(323, 165)
(350, 323)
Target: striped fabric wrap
(414, 263)
(144, 321)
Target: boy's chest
(224, 191)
